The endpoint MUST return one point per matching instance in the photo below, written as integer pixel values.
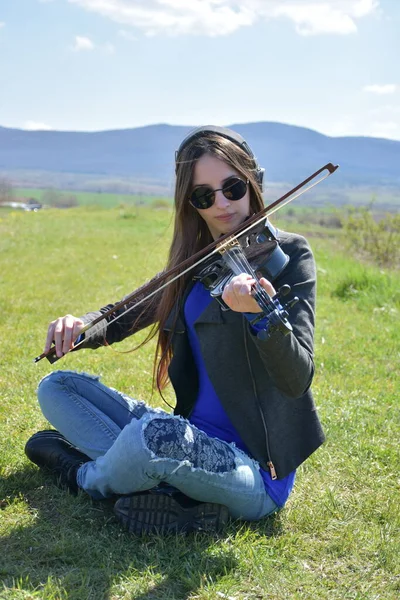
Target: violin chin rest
(274, 264)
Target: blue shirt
(208, 413)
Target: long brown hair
(190, 230)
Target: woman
(244, 418)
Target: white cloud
(36, 126)
(207, 17)
(313, 19)
(223, 17)
(388, 88)
(82, 43)
(2, 24)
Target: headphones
(228, 134)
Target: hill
(145, 154)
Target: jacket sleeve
(115, 327)
(289, 359)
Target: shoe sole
(161, 514)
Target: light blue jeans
(134, 447)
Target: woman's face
(224, 215)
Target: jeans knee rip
(176, 439)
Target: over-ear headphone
(230, 135)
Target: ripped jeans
(134, 447)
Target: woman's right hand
(63, 332)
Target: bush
(58, 199)
(377, 239)
(127, 212)
(160, 203)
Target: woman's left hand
(238, 295)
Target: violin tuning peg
(291, 303)
(284, 290)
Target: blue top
(208, 413)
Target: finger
(58, 336)
(243, 288)
(68, 333)
(78, 326)
(268, 287)
(50, 337)
(242, 278)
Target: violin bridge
(227, 245)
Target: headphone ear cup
(260, 177)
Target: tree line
(49, 197)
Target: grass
(338, 536)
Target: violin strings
(239, 261)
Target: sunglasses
(233, 189)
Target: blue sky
(87, 65)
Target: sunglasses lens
(234, 188)
(202, 197)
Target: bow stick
(153, 287)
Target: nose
(220, 200)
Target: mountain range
(146, 154)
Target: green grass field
(338, 536)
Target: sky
(91, 65)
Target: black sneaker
(52, 451)
(164, 513)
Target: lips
(225, 217)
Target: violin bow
(153, 287)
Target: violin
(229, 248)
(235, 258)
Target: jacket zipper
(269, 463)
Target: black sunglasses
(203, 196)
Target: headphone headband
(229, 134)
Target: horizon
(230, 125)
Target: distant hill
(146, 154)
